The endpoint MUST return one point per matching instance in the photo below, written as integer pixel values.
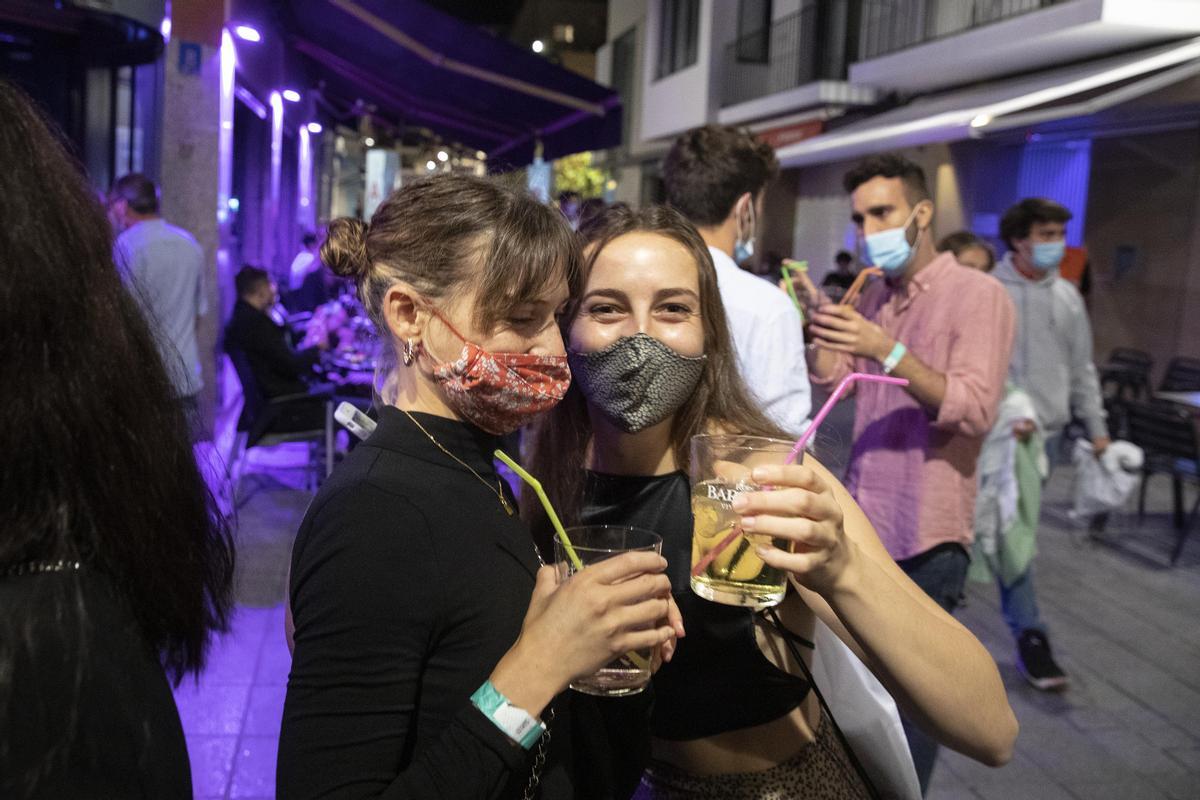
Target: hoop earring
(408, 353)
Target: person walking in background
(1052, 363)
(969, 250)
(165, 266)
(717, 178)
(306, 261)
(948, 331)
(115, 566)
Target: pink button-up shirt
(913, 470)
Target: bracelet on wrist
(893, 358)
(516, 723)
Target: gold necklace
(498, 490)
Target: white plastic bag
(1104, 484)
(867, 715)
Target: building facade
(1093, 103)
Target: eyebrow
(612, 294)
(664, 293)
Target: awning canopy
(1000, 106)
(423, 68)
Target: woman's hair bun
(345, 248)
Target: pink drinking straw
(798, 448)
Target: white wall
(690, 97)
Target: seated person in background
(305, 262)
(969, 250)
(277, 369)
(837, 282)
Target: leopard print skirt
(821, 771)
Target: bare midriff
(745, 750)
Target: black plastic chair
(1126, 374)
(1183, 375)
(259, 424)
(1167, 434)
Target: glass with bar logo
(725, 568)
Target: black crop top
(718, 680)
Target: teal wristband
(893, 358)
(516, 723)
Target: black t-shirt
(718, 680)
(409, 582)
(83, 698)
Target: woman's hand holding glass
(802, 509)
(573, 629)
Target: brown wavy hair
(561, 439)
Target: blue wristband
(893, 358)
(516, 723)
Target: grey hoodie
(1052, 352)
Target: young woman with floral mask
(422, 665)
(653, 365)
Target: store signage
(790, 134)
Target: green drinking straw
(787, 266)
(536, 485)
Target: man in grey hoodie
(1052, 363)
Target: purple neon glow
(314, 127)
(165, 27)
(276, 103)
(304, 214)
(248, 33)
(225, 134)
(291, 95)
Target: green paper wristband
(517, 724)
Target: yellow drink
(736, 576)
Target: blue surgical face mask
(1048, 255)
(743, 248)
(889, 249)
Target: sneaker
(1037, 665)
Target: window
(564, 34)
(678, 36)
(754, 31)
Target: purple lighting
(291, 95)
(248, 33)
(314, 127)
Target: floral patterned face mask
(499, 392)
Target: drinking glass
(629, 673)
(725, 568)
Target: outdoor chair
(1167, 434)
(1126, 374)
(259, 425)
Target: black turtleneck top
(409, 582)
(719, 679)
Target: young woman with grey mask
(653, 365)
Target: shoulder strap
(790, 640)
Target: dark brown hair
(721, 401)
(709, 168)
(444, 233)
(964, 240)
(98, 464)
(248, 279)
(138, 191)
(889, 165)
(1017, 221)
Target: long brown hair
(721, 401)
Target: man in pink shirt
(949, 332)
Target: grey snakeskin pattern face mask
(637, 381)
